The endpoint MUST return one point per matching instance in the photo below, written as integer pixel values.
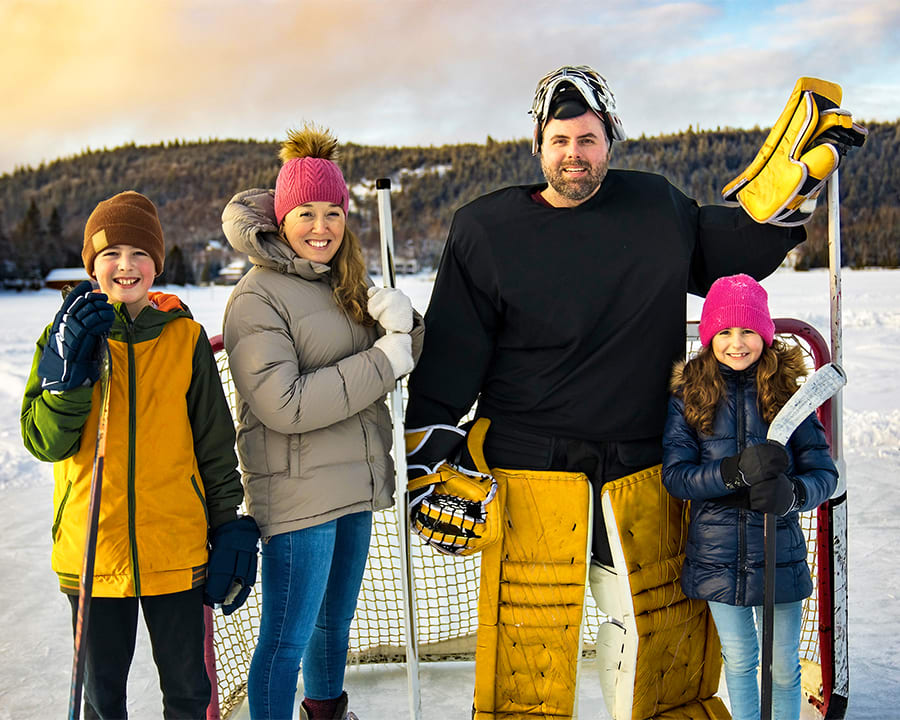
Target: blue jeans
(310, 584)
(740, 633)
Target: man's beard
(575, 190)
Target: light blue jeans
(310, 584)
(740, 631)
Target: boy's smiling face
(125, 273)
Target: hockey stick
(389, 279)
(818, 388)
(86, 585)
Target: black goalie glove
(454, 508)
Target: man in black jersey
(560, 307)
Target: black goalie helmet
(575, 81)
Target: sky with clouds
(99, 73)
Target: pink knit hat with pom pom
(309, 173)
(736, 301)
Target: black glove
(754, 465)
(773, 496)
(231, 569)
(70, 357)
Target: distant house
(406, 266)
(402, 266)
(232, 272)
(58, 278)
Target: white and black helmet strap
(590, 85)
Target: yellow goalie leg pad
(531, 599)
(672, 670)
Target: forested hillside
(42, 210)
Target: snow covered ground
(35, 631)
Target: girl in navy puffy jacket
(716, 456)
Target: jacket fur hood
(248, 222)
(676, 380)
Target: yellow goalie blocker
(803, 149)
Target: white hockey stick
(389, 278)
(818, 388)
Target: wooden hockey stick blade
(86, 585)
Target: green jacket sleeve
(214, 437)
(52, 423)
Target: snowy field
(35, 630)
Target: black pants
(602, 462)
(176, 629)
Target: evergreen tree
(177, 271)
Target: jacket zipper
(740, 434)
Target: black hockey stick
(818, 388)
(86, 586)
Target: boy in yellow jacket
(169, 536)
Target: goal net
(446, 588)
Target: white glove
(398, 348)
(391, 309)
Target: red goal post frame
(830, 656)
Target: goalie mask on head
(453, 508)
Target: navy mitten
(231, 569)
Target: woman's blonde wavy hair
(700, 384)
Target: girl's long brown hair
(701, 386)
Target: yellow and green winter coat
(170, 470)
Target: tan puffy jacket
(314, 431)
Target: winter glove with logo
(777, 495)
(391, 309)
(754, 465)
(70, 358)
(398, 348)
(231, 569)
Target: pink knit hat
(309, 173)
(736, 301)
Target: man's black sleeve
(729, 242)
(460, 326)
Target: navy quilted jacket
(724, 559)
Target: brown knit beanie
(128, 218)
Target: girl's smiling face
(125, 273)
(738, 348)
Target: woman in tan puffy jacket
(313, 350)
